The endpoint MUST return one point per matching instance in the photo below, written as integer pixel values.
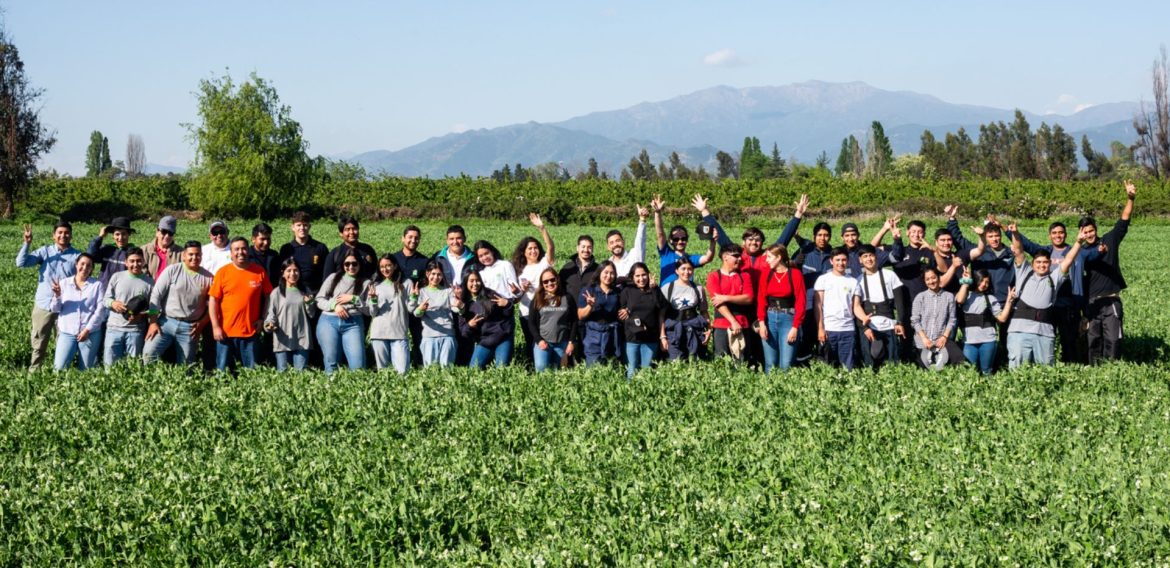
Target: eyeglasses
(167, 233)
(349, 264)
(547, 282)
(218, 232)
(678, 239)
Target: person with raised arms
(980, 311)
(1031, 334)
(624, 259)
(1104, 283)
(55, 263)
(77, 303)
(112, 257)
(178, 307)
(670, 254)
(529, 259)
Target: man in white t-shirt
(624, 260)
(216, 253)
(886, 307)
(838, 303)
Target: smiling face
(219, 236)
(291, 275)
(192, 258)
(300, 230)
(850, 238)
(685, 272)
(239, 252)
(387, 268)
(607, 276)
(121, 237)
(616, 245)
(84, 268)
(752, 244)
(455, 242)
(163, 238)
(821, 238)
(930, 278)
(730, 261)
(839, 263)
(62, 237)
(550, 282)
(410, 241)
(262, 242)
(349, 234)
(474, 283)
(641, 278)
(984, 285)
(944, 243)
(1057, 236)
(352, 265)
(917, 236)
(868, 261)
(135, 264)
(585, 250)
(485, 256)
(532, 252)
(435, 277)
(1041, 265)
(678, 241)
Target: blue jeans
(68, 346)
(543, 358)
(439, 350)
(639, 356)
(501, 354)
(1030, 347)
(891, 340)
(123, 343)
(231, 350)
(392, 352)
(777, 351)
(841, 348)
(336, 335)
(982, 355)
(298, 358)
(172, 331)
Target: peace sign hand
(56, 286)
(28, 233)
(589, 299)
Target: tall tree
(135, 156)
(727, 166)
(1152, 149)
(752, 161)
(823, 161)
(23, 139)
(1022, 156)
(844, 159)
(880, 154)
(934, 152)
(1097, 164)
(592, 173)
(855, 152)
(93, 154)
(250, 157)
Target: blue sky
(363, 76)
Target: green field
(703, 464)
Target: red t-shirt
(240, 292)
(730, 285)
(777, 285)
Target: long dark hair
(519, 261)
(978, 276)
(340, 271)
(465, 291)
(482, 244)
(290, 261)
(396, 279)
(634, 269)
(601, 268)
(542, 298)
(434, 264)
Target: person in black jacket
(552, 321)
(486, 322)
(350, 232)
(1104, 283)
(641, 310)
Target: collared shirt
(215, 258)
(79, 308)
(55, 264)
(933, 314)
(632, 255)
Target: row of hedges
(597, 201)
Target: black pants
(1067, 322)
(1104, 334)
(415, 325)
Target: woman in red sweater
(780, 307)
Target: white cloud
(1083, 106)
(459, 127)
(725, 57)
(1067, 104)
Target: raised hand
(424, 306)
(1130, 189)
(536, 220)
(475, 321)
(515, 288)
(500, 301)
(951, 211)
(642, 212)
(28, 233)
(700, 204)
(977, 229)
(590, 300)
(657, 204)
(1012, 228)
(967, 271)
(801, 205)
(892, 222)
(956, 261)
(1011, 295)
(414, 290)
(896, 232)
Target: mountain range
(803, 119)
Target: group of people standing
(235, 302)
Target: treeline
(593, 201)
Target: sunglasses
(349, 264)
(166, 233)
(547, 282)
(218, 232)
(678, 239)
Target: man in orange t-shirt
(237, 301)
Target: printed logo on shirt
(315, 257)
(254, 283)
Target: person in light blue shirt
(77, 303)
(57, 262)
(670, 253)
